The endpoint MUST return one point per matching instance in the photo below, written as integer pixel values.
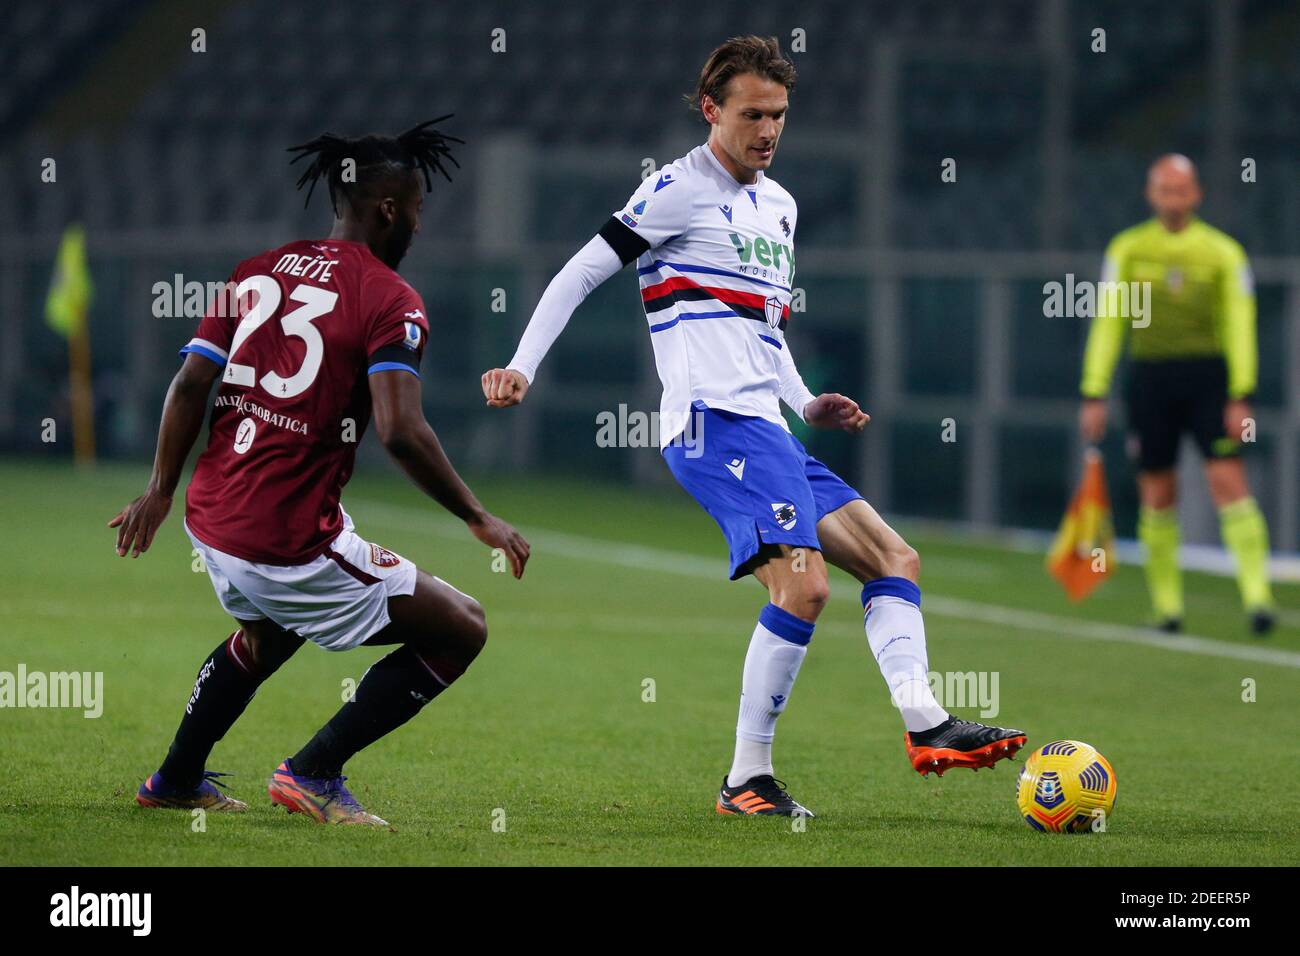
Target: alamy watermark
(192, 299)
(1082, 299)
(132, 911)
(955, 689)
(75, 690)
(179, 299)
(633, 428)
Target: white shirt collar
(717, 164)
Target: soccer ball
(1066, 787)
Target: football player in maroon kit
(324, 333)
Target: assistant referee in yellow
(1193, 366)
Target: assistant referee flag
(1084, 550)
(71, 288)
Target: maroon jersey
(313, 319)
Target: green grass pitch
(548, 735)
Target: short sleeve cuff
(207, 349)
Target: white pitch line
(643, 558)
(1100, 631)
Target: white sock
(752, 759)
(776, 651)
(896, 634)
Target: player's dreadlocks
(421, 148)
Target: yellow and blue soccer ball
(1066, 787)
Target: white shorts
(337, 601)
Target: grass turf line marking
(643, 558)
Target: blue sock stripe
(785, 625)
(891, 587)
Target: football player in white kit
(713, 241)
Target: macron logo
(666, 179)
(777, 701)
(134, 910)
(737, 467)
(726, 211)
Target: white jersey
(715, 286)
(715, 259)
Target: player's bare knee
(267, 649)
(902, 561)
(474, 626)
(817, 592)
(911, 561)
(805, 597)
(464, 628)
(256, 650)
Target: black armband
(394, 357)
(627, 245)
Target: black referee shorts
(1167, 398)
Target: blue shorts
(757, 481)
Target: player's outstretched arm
(401, 426)
(829, 410)
(593, 264)
(182, 419)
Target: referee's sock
(1158, 531)
(1246, 535)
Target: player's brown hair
(748, 54)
